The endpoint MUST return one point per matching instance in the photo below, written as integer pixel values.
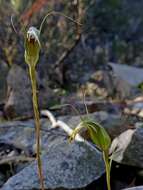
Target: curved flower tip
(33, 35)
(32, 46)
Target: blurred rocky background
(72, 56)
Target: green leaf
(98, 134)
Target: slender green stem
(32, 73)
(107, 167)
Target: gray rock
(58, 154)
(135, 188)
(129, 148)
(65, 165)
(123, 90)
(100, 84)
(2, 179)
(135, 107)
(130, 74)
(19, 95)
(22, 134)
(109, 84)
(115, 124)
(3, 86)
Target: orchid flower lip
(33, 34)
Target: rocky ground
(74, 165)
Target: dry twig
(65, 127)
(16, 159)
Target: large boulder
(65, 165)
(19, 94)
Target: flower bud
(32, 46)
